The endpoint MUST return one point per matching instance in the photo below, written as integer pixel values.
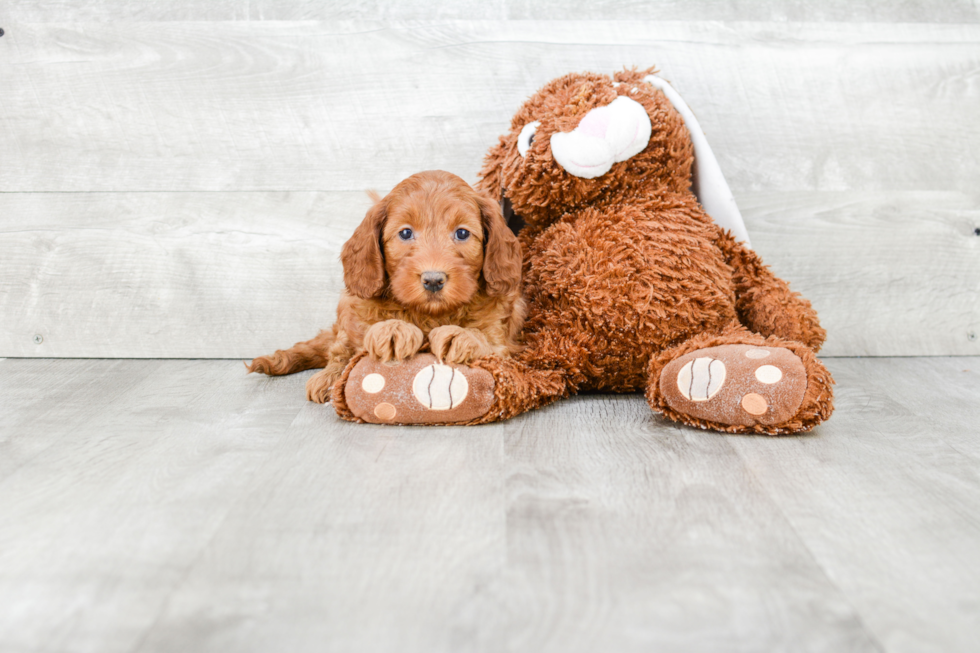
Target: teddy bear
(631, 284)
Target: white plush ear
(709, 183)
(604, 136)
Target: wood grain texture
(851, 146)
(444, 540)
(893, 492)
(133, 466)
(235, 275)
(620, 526)
(181, 505)
(890, 273)
(181, 106)
(913, 11)
(170, 274)
(940, 382)
(43, 402)
(353, 539)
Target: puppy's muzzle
(433, 281)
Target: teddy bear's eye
(526, 137)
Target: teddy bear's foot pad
(736, 385)
(419, 390)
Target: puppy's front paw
(319, 385)
(453, 344)
(393, 340)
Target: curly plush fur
(625, 272)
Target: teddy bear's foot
(736, 386)
(419, 390)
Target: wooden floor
(178, 505)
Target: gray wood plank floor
(168, 505)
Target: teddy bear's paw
(736, 385)
(419, 390)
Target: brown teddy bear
(630, 284)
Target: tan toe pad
(737, 385)
(419, 390)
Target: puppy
(433, 260)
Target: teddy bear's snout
(604, 136)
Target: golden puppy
(433, 259)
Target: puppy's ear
(364, 266)
(501, 250)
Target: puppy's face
(433, 247)
(432, 244)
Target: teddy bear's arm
(764, 302)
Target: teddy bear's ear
(709, 183)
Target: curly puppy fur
(624, 272)
(432, 259)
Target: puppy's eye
(405, 234)
(462, 234)
(526, 137)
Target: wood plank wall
(176, 178)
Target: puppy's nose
(433, 281)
